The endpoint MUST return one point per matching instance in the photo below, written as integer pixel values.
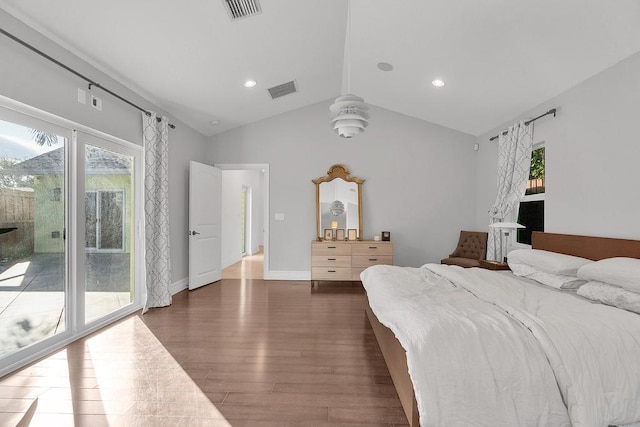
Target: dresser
(345, 260)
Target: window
(531, 212)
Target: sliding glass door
(33, 251)
(110, 208)
(70, 231)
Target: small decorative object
(340, 234)
(352, 234)
(386, 236)
(376, 238)
(328, 234)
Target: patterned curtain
(514, 162)
(156, 206)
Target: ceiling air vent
(283, 89)
(242, 8)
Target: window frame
(76, 325)
(529, 198)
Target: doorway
(245, 219)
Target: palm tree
(43, 138)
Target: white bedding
(491, 349)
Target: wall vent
(242, 8)
(283, 89)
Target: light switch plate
(279, 217)
(82, 96)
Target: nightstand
(493, 265)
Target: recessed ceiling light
(385, 66)
(214, 122)
(250, 83)
(437, 83)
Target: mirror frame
(338, 171)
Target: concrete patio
(32, 295)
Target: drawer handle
(373, 259)
(373, 247)
(331, 259)
(331, 271)
(331, 247)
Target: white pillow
(623, 272)
(550, 262)
(611, 295)
(557, 281)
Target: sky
(16, 142)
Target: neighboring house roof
(98, 162)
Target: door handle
(193, 233)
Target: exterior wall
(49, 213)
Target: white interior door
(205, 250)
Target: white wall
(419, 180)
(29, 78)
(232, 182)
(592, 154)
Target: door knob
(193, 233)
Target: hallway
(250, 267)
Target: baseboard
(287, 275)
(178, 286)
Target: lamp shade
(506, 225)
(336, 208)
(350, 115)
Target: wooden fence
(16, 210)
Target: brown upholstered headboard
(590, 247)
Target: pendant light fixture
(349, 112)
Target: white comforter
(489, 349)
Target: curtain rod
(552, 111)
(72, 71)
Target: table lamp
(504, 228)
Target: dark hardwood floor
(233, 353)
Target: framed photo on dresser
(328, 234)
(340, 234)
(352, 234)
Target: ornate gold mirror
(338, 204)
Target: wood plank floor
(250, 267)
(234, 353)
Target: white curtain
(156, 205)
(514, 162)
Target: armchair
(472, 247)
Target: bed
(538, 370)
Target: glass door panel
(32, 233)
(109, 180)
(112, 220)
(91, 220)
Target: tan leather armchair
(472, 247)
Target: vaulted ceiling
(498, 58)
